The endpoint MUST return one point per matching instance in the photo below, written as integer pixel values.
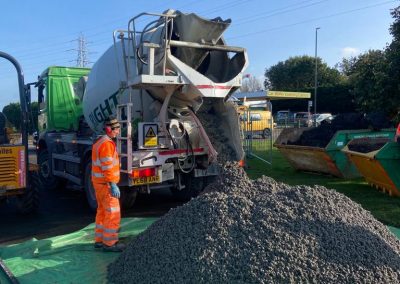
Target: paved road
(64, 211)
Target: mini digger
(18, 172)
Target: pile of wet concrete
(321, 135)
(262, 231)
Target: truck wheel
(193, 186)
(89, 189)
(28, 202)
(266, 133)
(128, 197)
(47, 179)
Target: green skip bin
(378, 161)
(328, 160)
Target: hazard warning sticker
(150, 135)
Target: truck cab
(60, 98)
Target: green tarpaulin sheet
(395, 231)
(70, 258)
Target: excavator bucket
(325, 160)
(378, 161)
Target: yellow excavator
(18, 171)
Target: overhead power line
(241, 21)
(312, 20)
(276, 12)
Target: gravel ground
(262, 231)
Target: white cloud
(349, 52)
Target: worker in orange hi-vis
(105, 176)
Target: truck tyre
(128, 197)
(193, 186)
(28, 202)
(89, 189)
(47, 179)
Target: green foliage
(298, 73)
(334, 99)
(367, 83)
(13, 114)
(393, 59)
(345, 66)
(374, 77)
(368, 76)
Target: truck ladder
(124, 139)
(133, 59)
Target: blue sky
(43, 33)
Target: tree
(250, 84)
(375, 75)
(13, 114)
(368, 77)
(393, 68)
(298, 73)
(335, 99)
(346, 66)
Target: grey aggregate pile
(211, 121)
(262, 231)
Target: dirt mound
(366, 145)
(320, 136)
(262, 231)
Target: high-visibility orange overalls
(105, 169)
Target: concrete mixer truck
(168, 83)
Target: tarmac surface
(65, 210)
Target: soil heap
(321, 135)
(366, 145)
(262, 231)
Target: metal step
(126, 139)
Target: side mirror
(40, 94)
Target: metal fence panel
(257, 127)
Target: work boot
(98, 245)
(117, 247)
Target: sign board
(150, 135)
(288, 95)
(12, 165)
(310, 103)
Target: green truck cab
(60, 92)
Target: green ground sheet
(70, 258)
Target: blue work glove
(114, 189)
